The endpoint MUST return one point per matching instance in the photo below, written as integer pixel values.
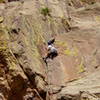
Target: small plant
(2, 1)
(45, 11)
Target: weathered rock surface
(24, 32)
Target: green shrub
(45, 11)
(2, 1)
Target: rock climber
(52, 51)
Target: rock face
(25, 28)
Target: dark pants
(51, 55)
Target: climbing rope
(67, 8)
(46, 1)
(48, 89)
